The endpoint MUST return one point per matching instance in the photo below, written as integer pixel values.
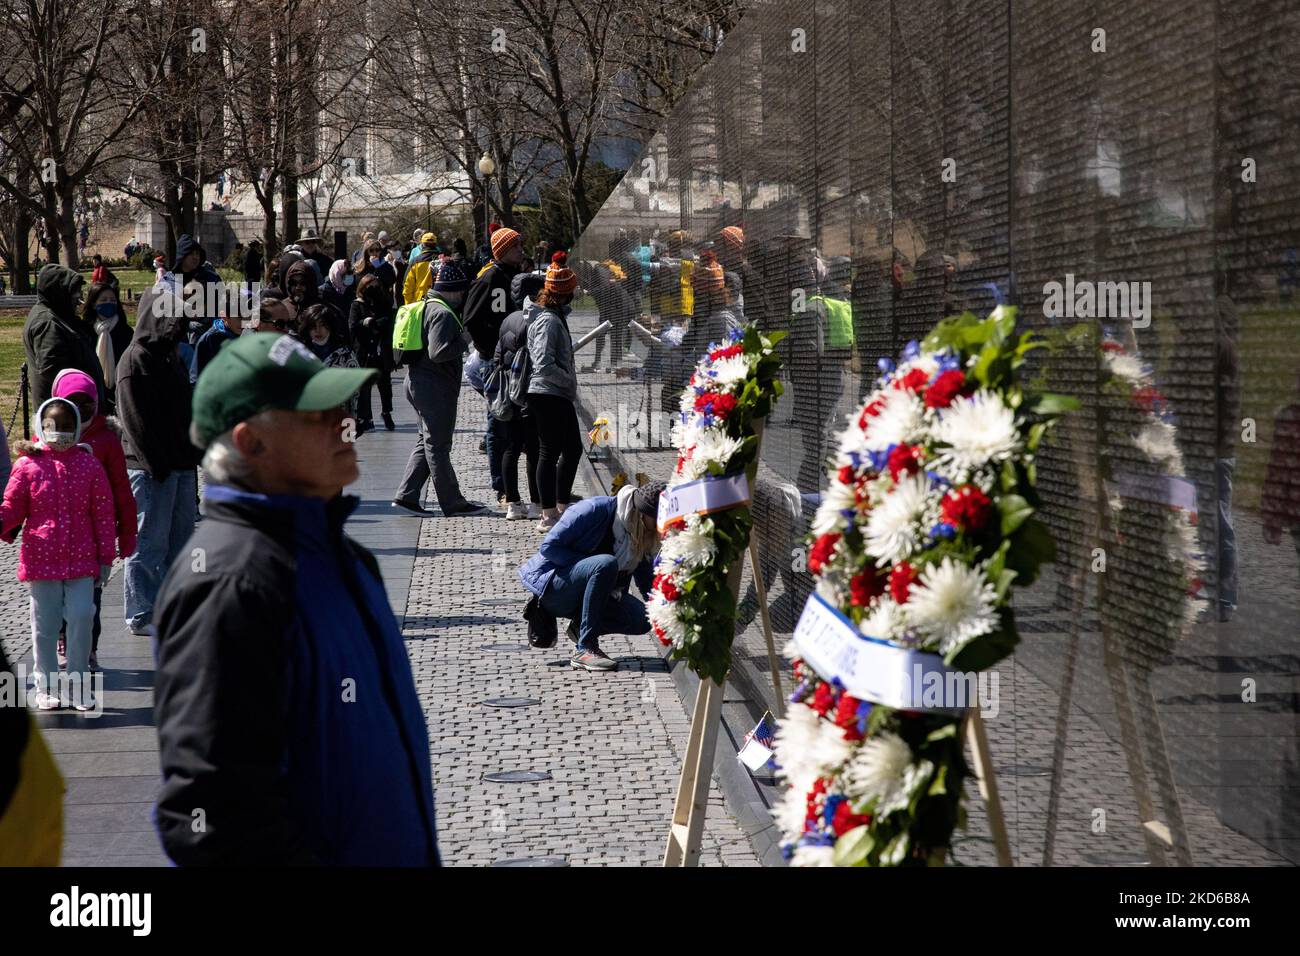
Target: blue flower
(943, 530)
(736, 335)
(885, 364)
(948, 361)
(864, 711)
(828, 809)
(938, 479)
(911, 350)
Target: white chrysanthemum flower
(853, 441)
(877, 769)
(1156, 442)
(839, 496)
(687, 403)
(663, 615)
(713, 445)
(730, 372)
(1125, 366)
(813, 855)
(795, 745)
(828, 519)
(979, 429)
(885, 620)
(690, 547)
(790, 812)
(900, 420)
(684, 434)
(893, 530)
(952, 603)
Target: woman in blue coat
(586, 562)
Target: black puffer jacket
(55, 337)
(154, 392)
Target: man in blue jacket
(289, 728)
(585, 563)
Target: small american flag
(756, 750)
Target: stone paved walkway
(610, 742)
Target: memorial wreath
(927, 522)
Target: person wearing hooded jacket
(153, 405)
(520, 432)
(433, 388)
(337, 289)
(54, 337)
(421, 269)
(103, 313)
(586, 562)
(102, 435)
(60, 495)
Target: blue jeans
(53, 603)
(165, 513)
(496, 442)
(588, 591)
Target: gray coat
(445, 342)
(550, 347)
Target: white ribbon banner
(877, 671)
(703, 496)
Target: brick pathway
(610, 742)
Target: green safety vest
(839, 320)
(408, 331)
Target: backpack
(408, 329)
(497, 392)
(542, 629)
(521, 373)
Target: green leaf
(1009, 478)
(853, 848)
(939, 785)
(943, 733)
(1049, 403)
(895, 851)
(983, 652)
(1014, 510)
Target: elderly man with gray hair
(288, 723)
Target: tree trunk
(68, 230)
(22, 271)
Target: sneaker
(367, 426)
(482, 445)
(86, 703)
(388, 421)
(412, 507)
(593, 660)
(534, 510)
(141, 630)
(571, 632)
(467, 509)
(46, 701)
(548, 522)
(516, 511)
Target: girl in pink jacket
(101, 435)
(60, 495)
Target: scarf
(632, 543)
(104, 349)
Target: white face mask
(58, 440)
(347, 279)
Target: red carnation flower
(663, 638)
(665, 586)
(846, 716)
(844, 819)
(1111, 346)
(846, 475)
(821, 552)
(871, 410)
(731, 351)
(901, 577)
(719, 406)
(1148, 398)
(864, 587)
(945, 388)
(904, 459)
(823, 699)
(813, 806)
(966, 507)
(913, 381)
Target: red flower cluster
(846, 716)
(663, 638)
(845, 819)
(913, 381)
(945, 388)
(731, 351)
(904, 459)
(823, 699)
(967, 508)
(901, 577)
(865, 587)
(719, 406)
(1149, 399)
(821, 552)
(871, 411)
(665, 586)
(816, 799)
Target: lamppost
(486, 168)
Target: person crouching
(585, 563)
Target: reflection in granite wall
(1127, 175)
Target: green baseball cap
(261, 371)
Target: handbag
(542, 629)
